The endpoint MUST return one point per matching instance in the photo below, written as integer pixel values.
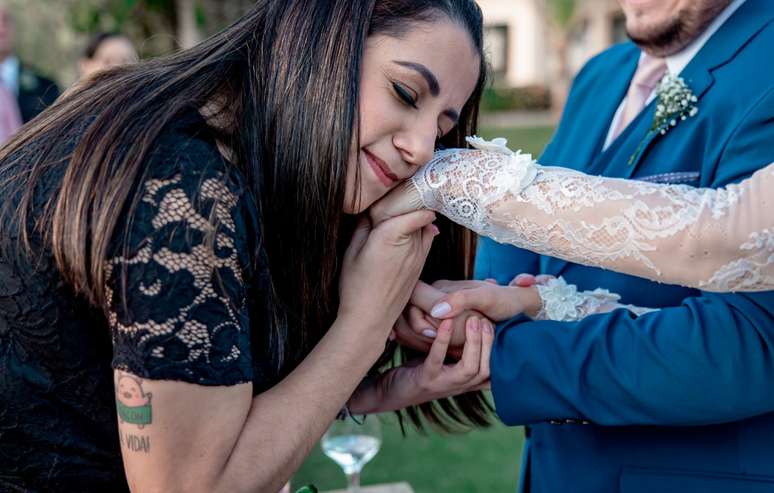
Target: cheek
(377, 121)
(363, 190)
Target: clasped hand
(464, 331)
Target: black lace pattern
(177, 300)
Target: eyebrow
(432, 83)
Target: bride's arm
(713, 239)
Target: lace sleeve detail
(712, 239)
(177, 302)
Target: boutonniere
(674, 102)
(308, 489)
(27, 81)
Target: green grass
(481, 461)
(531, 140)
(476, 462)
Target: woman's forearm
(713, 239)
(285, 422)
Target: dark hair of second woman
(282, 85)
(96, 41)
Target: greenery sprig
(675, 102)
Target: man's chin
(661, 40)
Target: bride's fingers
(419, 324)
(425, 296)
(407, 338)
(401, 200)
(523, 281)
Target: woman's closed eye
(404, 94)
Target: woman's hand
(401, 200)
(496, 302)
(381, 268)
(458, 301)
(413, 384)
(417, 329)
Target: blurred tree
(561, 15)
(51, 33)
(158, 26)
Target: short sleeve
(177, 286)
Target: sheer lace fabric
(193, 337)
(712, 239)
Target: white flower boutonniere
(674, 102)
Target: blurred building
(524, 42)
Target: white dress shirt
(677, 62)
(9, 74)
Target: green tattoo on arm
(133, 405)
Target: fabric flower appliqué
(520, 171)
(675, 102)
(499, 144)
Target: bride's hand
(402, 199)
(410, 385)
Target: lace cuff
(563, 302)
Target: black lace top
(185, 303)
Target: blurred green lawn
(481, 461)
(529, 139)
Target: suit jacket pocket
(674, 178)
(638, 480)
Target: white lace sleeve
(712, 239)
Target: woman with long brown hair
(175, 253)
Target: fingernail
(429, 333)
(476, 325)
(435, 229)
(440, 310)
(488, 327)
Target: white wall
(531, 52)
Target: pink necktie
(649, 72)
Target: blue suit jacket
(682, 399)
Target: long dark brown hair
(284, 84)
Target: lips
(381, 170)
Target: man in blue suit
(679, 400)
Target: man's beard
(671, 37)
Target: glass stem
(353, 482)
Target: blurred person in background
(32, 91)
(105, 51)
(10, 119)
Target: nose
(416, 143)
